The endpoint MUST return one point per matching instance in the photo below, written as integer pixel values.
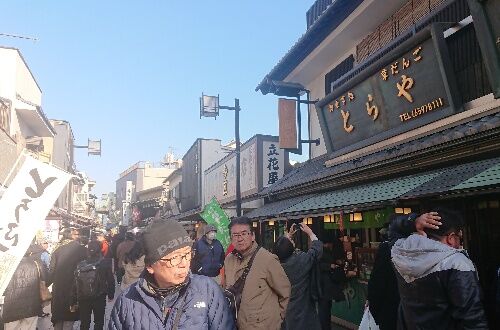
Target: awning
(34, 122)
(273, 210)
(482, 176)
(373, 193)
(459, 179)
(191, 215)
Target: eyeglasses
(175, 261)
(243, 234)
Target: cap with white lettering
(163, 237)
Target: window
(337, 72)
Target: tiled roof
(483, 174)
(364, 194)
(274, 209)
(332, 17)
(315, 169)
(460, 177)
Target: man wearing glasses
(168, 296)
(266, 290)
(437, 281)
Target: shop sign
(262, 163)
(220, 181)
(408, 89)
(273, 167)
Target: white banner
(23, 208)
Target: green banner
(213, 214)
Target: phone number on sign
(437, 103)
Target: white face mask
(211, 235)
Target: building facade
(139, 177)
(23, 123)
(404, 98)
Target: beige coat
(266, 292)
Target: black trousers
(325, 314)
(87, 307)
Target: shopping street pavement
(45, 324)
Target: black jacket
(383, 294)
(62, 267)
(22, 295)
(438, 286)
(104, 276)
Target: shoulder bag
(234, 292)
(45, 294)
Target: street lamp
(209, 107)
(93, 147)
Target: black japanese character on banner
(272, 150)
(24, 206)
(273, 164)
(7, 236)
(273, 177)
(40, 186)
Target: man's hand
(427, 220)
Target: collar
(246, 254)
(149, 285)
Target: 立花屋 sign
(410, 87)
(23, 208)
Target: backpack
(88, 282)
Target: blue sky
(131, 72)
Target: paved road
(45, 324)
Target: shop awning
(363, 195)
(463, 178)
(483, 175)
(273, 210)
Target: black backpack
(88, 282)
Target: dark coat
(104, 275)
(22, 295)
(383, 294)
(438, 285)
(332, 280)
(62, 267)
(201, 302)
(208, 258)
(301, 311)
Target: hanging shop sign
(262, 164)
(411, 86)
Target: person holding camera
(301, 310)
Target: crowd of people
(422, 279)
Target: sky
(131, 72)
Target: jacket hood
(418, 256)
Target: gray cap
(209, 228)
